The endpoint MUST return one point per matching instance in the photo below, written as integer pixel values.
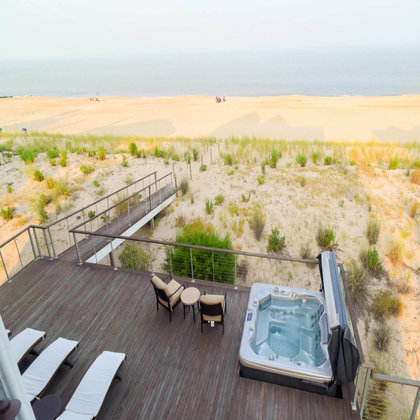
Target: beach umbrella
(11, 380)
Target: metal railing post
(131, 255)
(52, 243)
(192, 267)
(128, 210)
(68, 230)
(365, 391)
(415, 406)
(17, 249)
(112, 257)
(170, 261)
(150, 201)
(150, 259)
(37, 243)
(94, 250)
(32, 243)
(234, 279)
(356, 390)
(77, 249)
(212, 263)
(46, 244)
(4, 266)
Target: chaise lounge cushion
(213, 300)
(23, 342)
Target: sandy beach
(384, 119)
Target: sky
(55, 29)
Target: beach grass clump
(301, 160)
(91, 153)
(63, 159)
(209, 206)
(39, 207)
(315, 157)
(180, 220)
(260, 179)
(396, 251)
(384, 305)
(377, 404)
(219, 199)
(141, 154)
(185, 185)
(325, 237)
(203, 168)
(414, 209)
(9, 188)
(394, 163)
(274, 157)
(372, 231)
(305, 251)
(382, 336)
(28, 155)
(133, 257)
(38, 175)
(86, 169)
(301, 179)
(53, 162)
(50, 183)
(124, 162)
(175, 157)
(133, 149)
(195, 154)
(96, 183)
(356, 280)
(91, 214)
(218, 266)
(187, 157)
(257, 222)
(371, 261)
(276, 243)
(101, 153)
(328, 160)
(233, 208)
(415, 176)
(228, 159)
(7, 213)
(53, 153)
(246, 197)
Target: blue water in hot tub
(289, 329)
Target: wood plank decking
(172, 370)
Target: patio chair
(213, 310)
(90, 394)
(24, 343)
(44, 367)
(167, 294)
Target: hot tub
(286, 334)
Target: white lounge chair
(24, 342)
(41, 371)
(92, 389)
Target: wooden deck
(172, 370)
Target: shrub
(39, 208)
(228, 159)
(185, 185)
(384, 305)
(203, 168)
(414, 209)
(175, 157)
(86, 169)
(301, 160)
(382, 335)
(356, 280)
(260, 179)
(187, 157)
(257, 222)
(133, 149)
(7, 213)
(372, 231)
(209, 206)
(325, 237)
(28, 155)
(370, 259)
(274, 157)
(394, 163)
(315, 157)
(195, 154)
(246, 198)
(203, 261)
(38, 175)
(101, 153)
(124, 162)
(53, 153)
(276, 243)
(328, 160)
(133, 257)
(415, 176)
(219, 199)
(396, 251)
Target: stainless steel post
(4, 266)
(151, 259)
(68, 231)
(37, 244)
(52, 243)
(94, 250)
(415, 406)
(170, 261)
(192, 267)
(46, 244)
(112, 256)
(32, 243)
(77, 249)
(17, 249)
(212, 263)
(365, 391)
(356, 390)
(128, 210)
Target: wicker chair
(167, 294)
(213, 310)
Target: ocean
(356, 71)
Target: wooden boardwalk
(172, 370)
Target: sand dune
(390, 119)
